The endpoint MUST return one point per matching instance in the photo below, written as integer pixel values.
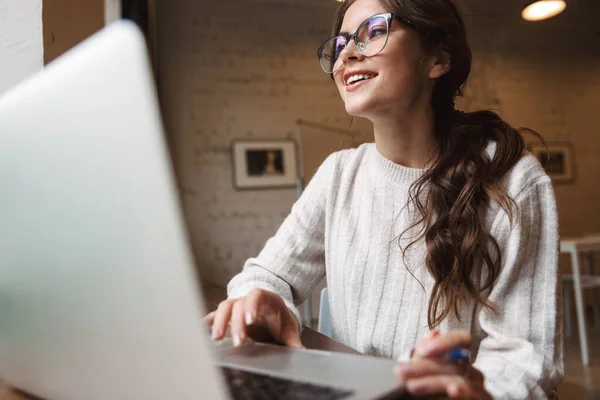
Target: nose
(351, 53)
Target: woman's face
(400, 72)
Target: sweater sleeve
(293, 261)
(521, 352)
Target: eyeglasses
(370, 39)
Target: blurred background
(247, 70)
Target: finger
(293, 340)
(290, 335)
(454, 386)
(440, 345)
(260, 307)
(221, 319)
(464, 390)
(262, 310)
(210, 318)
(252, 305)
(427, 367)
(238, 325)
(432, 334)
(280, 321)
(468, 390)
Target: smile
(353, 79)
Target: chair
(324, 314)
(568, 282)
(577, 247)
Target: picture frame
(264, 164)
(558, 160)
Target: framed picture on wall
(264, 164)
(557, 160)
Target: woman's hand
(428, 374)
(260, 316)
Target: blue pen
(456, 355)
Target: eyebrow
(344, 33)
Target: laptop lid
(98, 297)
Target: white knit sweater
(344, 226)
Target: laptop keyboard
(248, 385)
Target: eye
(377, 30)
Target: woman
(441, 234)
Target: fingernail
(236, 340)
(249, 318)
(215, 333)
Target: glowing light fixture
(543, 9)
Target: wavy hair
(463, 258)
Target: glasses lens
(330, 53)
(372, 35)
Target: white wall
(112, 11)
(21, 41)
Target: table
(314, 340)
(577, 247)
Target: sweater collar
(395, 173)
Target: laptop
(98, 296)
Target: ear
(439, 64)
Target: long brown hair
(463, 258)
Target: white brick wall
(21, 46)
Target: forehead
(358, 12)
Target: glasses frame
(354, 36)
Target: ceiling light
(543, 9)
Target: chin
(358, 109)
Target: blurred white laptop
(98, 298)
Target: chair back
(324, 314)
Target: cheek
(403, 75)
(404, 60)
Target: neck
(406, 140)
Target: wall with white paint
(112, 11)
(21, 43)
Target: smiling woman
(440, 235)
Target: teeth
(358, 77)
